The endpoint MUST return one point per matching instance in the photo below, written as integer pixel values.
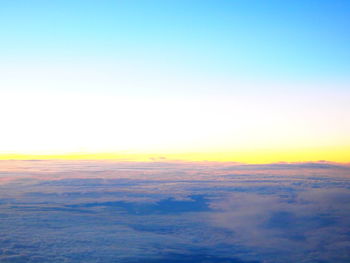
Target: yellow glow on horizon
(339, 155)
(243, 129)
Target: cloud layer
(173, 212)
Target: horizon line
(286, 157)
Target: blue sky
(201, 75)
(292, 39)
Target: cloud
(90, 211)
(298, 226)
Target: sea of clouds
(103, 211)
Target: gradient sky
(248, 81)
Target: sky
(246, 81)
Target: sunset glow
(222, 98)
(175, 131)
